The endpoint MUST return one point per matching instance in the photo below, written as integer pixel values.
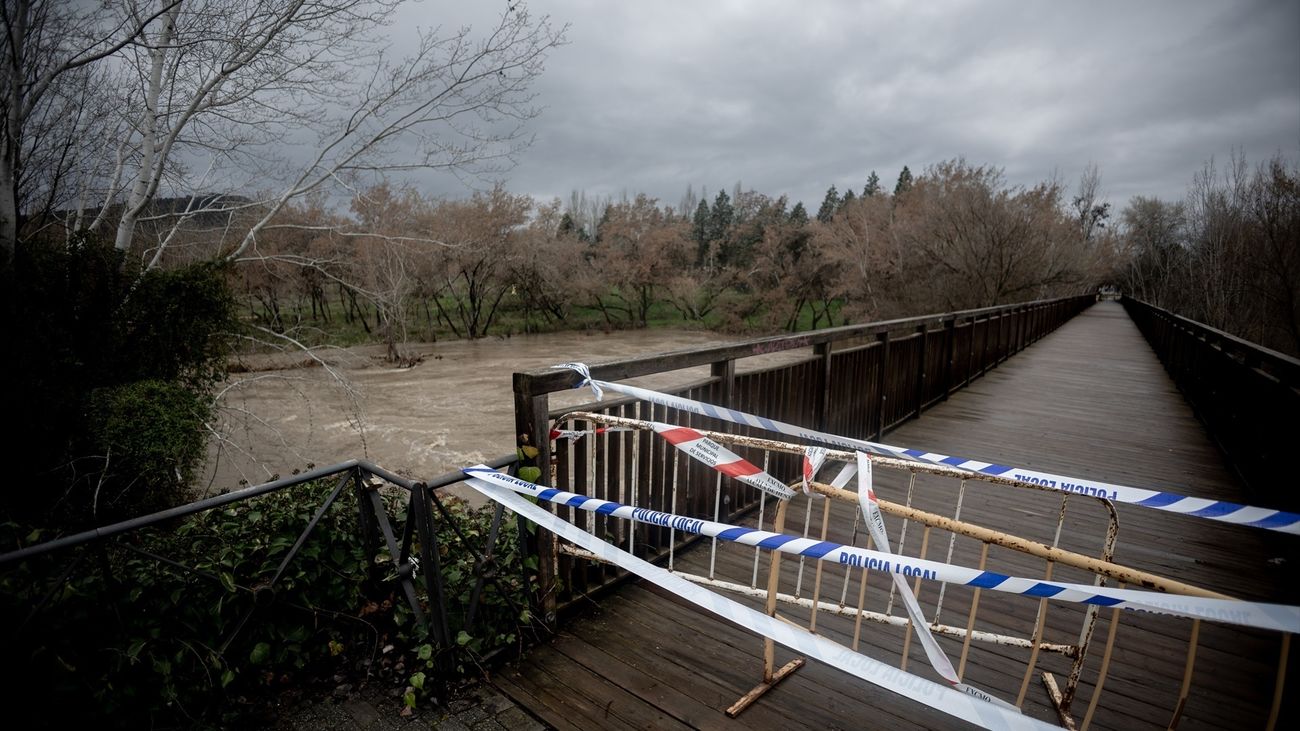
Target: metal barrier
(836, 601)
(411, 546)
(856, 380)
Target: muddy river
(452, 409)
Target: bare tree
(1155, 235)
(1092, 212)
(640, 248)
(542, 265)
(386, 257)
(481, 240)
(988, 243)
(1273, 202)
(49, 84)
(303, 93)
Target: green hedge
(127, 638)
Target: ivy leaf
(227, 678)
(426, 651)
(463, 638)
(260, 654)
(417, 681)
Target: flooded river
(453, 409)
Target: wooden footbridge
(1068, 387)
(1102, 392)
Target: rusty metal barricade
(839, 601)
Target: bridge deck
(1090, 399)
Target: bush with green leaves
(119, 630)
(111, 370)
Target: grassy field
(423, 323)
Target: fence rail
(409, 547)
(1247, 396)
(857, 381)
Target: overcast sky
(791, 97)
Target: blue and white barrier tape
(1279, 617)
(1220, 510)
(913, 687)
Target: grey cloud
(792, 97)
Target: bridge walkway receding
(1090, 399)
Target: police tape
(913, 687)
(1278, 617)
(812, 461)
(713, 454)
(718, 457)
(1219, 510)
(876, 527)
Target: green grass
(510, 320)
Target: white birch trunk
(145, 179)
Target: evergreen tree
(700, 231)
(798, 214)
(904, 181)
(847, 199)
(873, 185)
(721, 217)
(830, 204)
(567, 225)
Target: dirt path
(453, 409)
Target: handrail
(199, 506)
(1281, 366)
(546, 380)
(1247, 396)
(857, 380)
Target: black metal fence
(1247, 396)
(857, 381)
(412, 547)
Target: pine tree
(798, 214)
(700, 231)
(721, 217)
(829, 205)
(904, 181)
(873, 185)
(847, 199)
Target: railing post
(725, 372)
(920, 371)
(367, 524)
(430, 565)
(970, 351)
(882, 381)
(1018, 330)
(531, 419)
(823, 406)
(984, 345)
(949, 353)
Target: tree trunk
(144, 186)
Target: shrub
(151, 435)
(145, 643)
(90, 341)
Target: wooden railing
(857, 381)
(1247, 396)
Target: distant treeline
(1228, 255)
(956, 236)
